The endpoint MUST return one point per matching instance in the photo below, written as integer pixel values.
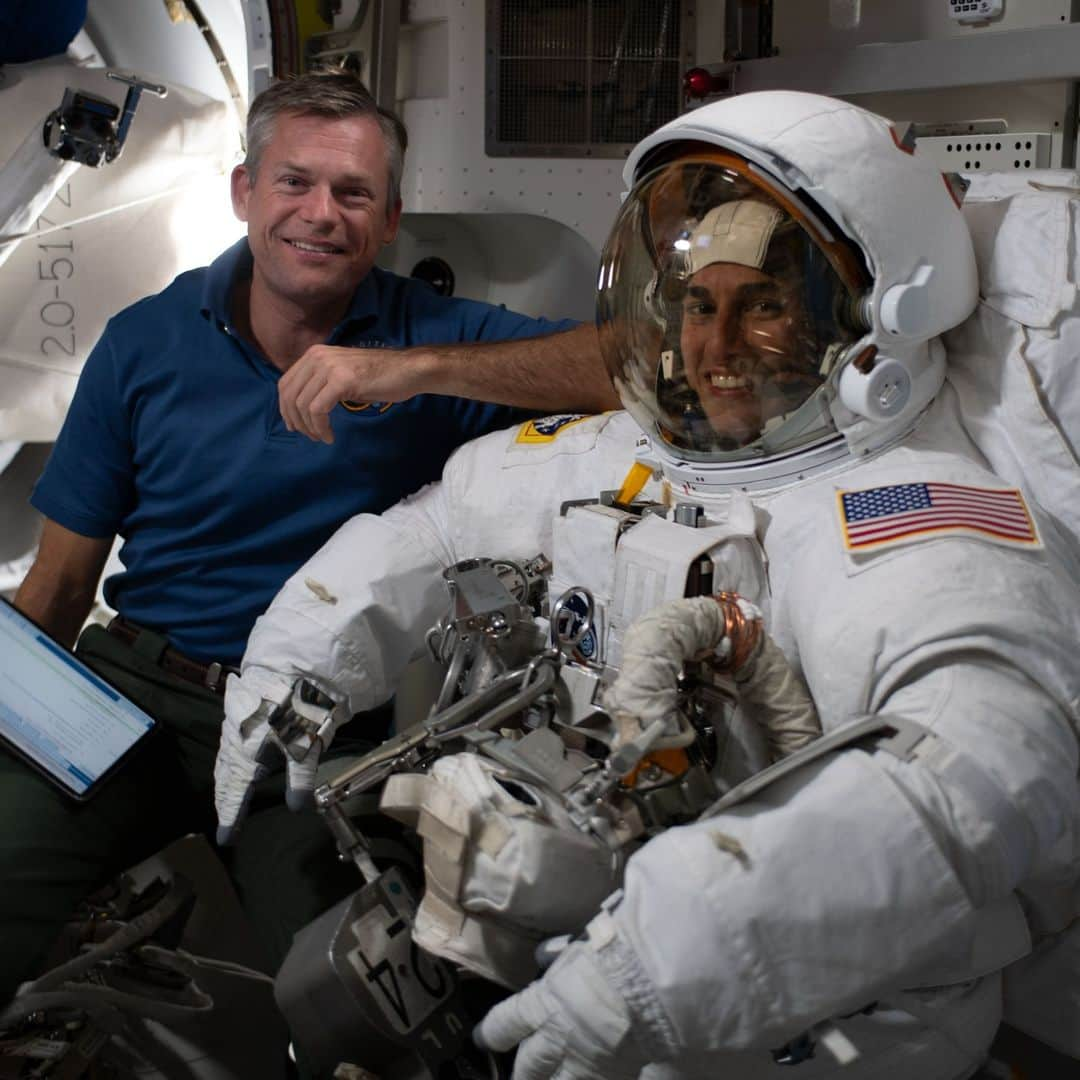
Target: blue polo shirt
(174, 441)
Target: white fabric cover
(864, 875)
(30, 179)
(1016, 362)
(505, 867)
(1015, 365)
(164, 207)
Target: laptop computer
(63, 719)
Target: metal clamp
(304, 718)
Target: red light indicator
(698, 83)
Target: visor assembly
(723, 308)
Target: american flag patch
(878, 517)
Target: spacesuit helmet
(772, 287)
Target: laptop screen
(56, 712)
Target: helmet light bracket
(905, 309)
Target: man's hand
(571, 1025)
(327, 374)
(267, 718)
(558, 373)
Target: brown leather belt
(210, 676)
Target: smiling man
(214, 430)
(747, 343)
(318, 206)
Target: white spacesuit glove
(570, 1024)
(266, 717)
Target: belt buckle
(213, 675)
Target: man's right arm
(59, 590)
(558, 372)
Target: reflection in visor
(720, 316)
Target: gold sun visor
(722, 308)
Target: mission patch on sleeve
(547, 428)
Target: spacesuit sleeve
(354, 615)
(869, 872)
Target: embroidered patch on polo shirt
(876, 518)
(363, 406)
(547, 428)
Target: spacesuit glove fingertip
(300, 780)
(504, 1026)
(230, 810)
(226, 834)
(485, 1037)
(230, 816)
(299, 798)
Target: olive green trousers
(55, 851)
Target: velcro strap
(903, 740)
(438, 816)
(436, 832)
(913, 742)
(443, 874)
(492, 836)
(908, 741)
(403, 795)
(443, 805)
(848, 735)
(430, 808)
(448, 918)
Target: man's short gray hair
(333, 94)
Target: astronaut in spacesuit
(770, 302)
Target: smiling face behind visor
(720, 315)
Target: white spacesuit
(770, 301)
